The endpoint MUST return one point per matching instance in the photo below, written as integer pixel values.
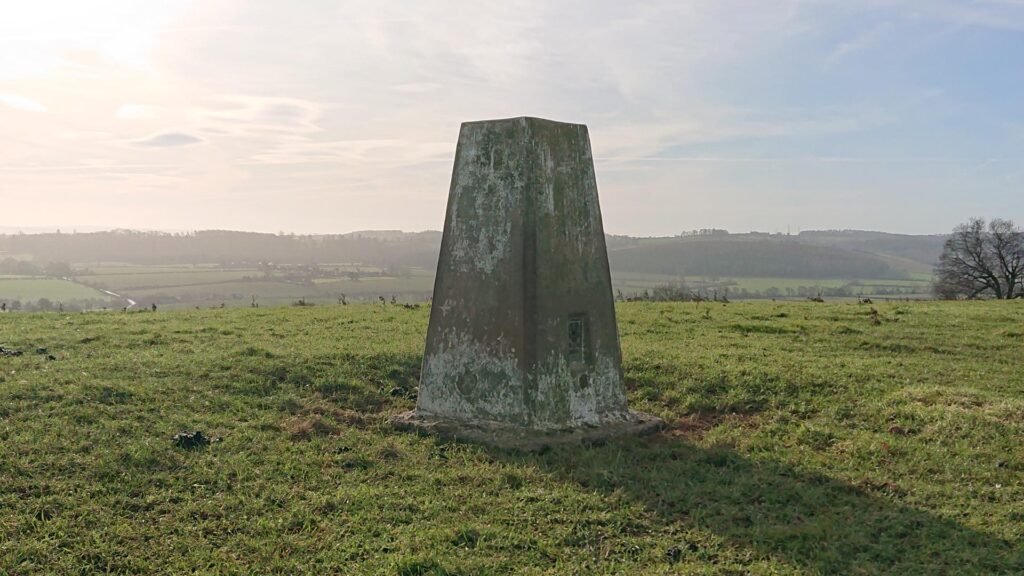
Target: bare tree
(981, 261)
(1008, 246)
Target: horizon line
(41, 230)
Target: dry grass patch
(694, 427)
(308, 427)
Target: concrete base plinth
(503, 435)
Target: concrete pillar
(522, 348)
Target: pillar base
(512, 437)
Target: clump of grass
(256, 352)
(749, 328)
(466, 538)
(306, 427)
(389, 451)
(423, 568)
(512, 481)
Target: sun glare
(43, 38)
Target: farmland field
(56, 290)
(804, 438)
(632, 283)
(186, 286)
(133, 281)
(214, 285)
(270, 292)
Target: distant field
(630, 282)
(224, 292)
(634, 283)
(32, 289)
(803, 439)
(415, 288)
(907, 265)
(115, 268)
(149, 279)
(380, 285)
(186, 286)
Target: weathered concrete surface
(522, 336)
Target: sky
(332, 116)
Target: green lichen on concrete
(482, 199)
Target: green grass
(630, 283)
(226, 291)
(804, 439)
(279, 293)
(32, 289)
(383, 285)
(132, 281)
(187, 286)
(125, 268)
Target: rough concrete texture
(522, 341)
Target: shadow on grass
(805, 519)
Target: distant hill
(390, 235)
(745, 255)
(811, 254)
(924, 250)
(418, 249)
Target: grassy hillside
(805, 439)
(745, 255)
(924, 249)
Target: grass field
(276, 293)
(210, 285)
(630, 283)
(128, 281)
(56, 290)
(187, 286)
(804, 439)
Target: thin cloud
(21, 103)
(168, 140)
(246, 115)
(111, 167)
(808, 159)
(138, 111)
(858, 43)
(628, 141)
(396, 153)
(999, 14)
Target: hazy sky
(316, 116)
